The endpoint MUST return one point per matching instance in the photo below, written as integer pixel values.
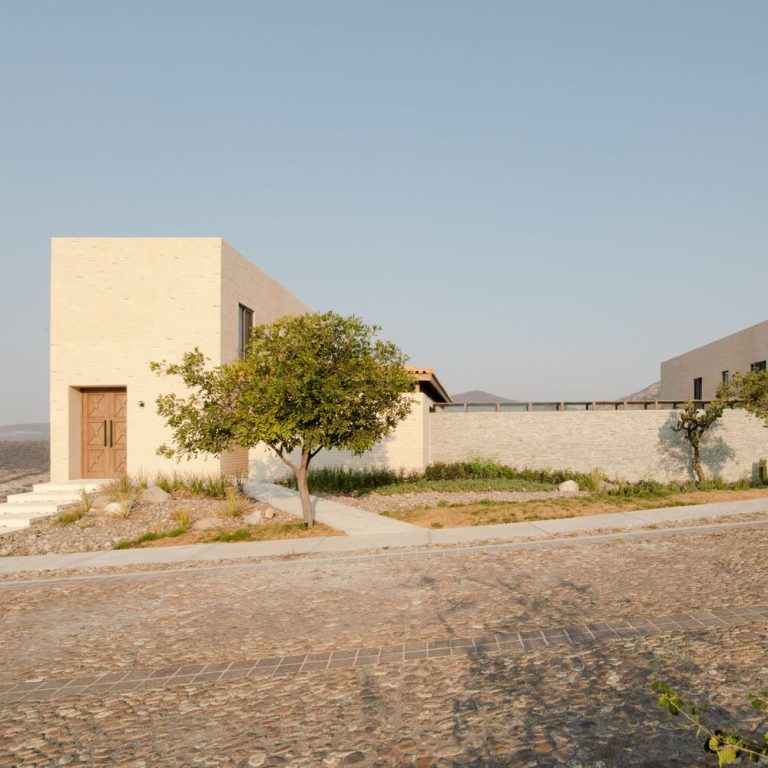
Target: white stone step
(30, 507)
(9, 528)
(54, 497)
(21, 517)
(70, 485)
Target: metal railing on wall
(563, 406)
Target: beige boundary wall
(407, 448)
(119, 303)
(628, 445)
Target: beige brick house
(119, 303)
(116, 305)
(697, 374)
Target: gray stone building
(697, 374)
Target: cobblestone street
(484, 656)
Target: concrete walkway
(350, 520)
(410, 536)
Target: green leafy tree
(748, 391)
(306, 382)
(694, 422)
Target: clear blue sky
(540, 199)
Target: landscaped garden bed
(184, 511)
(481, 492)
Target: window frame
(698, 387)
(244, 328)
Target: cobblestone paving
(552, 698)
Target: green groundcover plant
(726, 745)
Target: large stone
(568, 486)
(113, 508)
(154, 495)
(254, 518)
(99, 500)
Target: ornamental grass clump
(234, 505)
(123, 492)
(595, 479)
(183, 519)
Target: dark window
(245, 325)
(758, 366)
(726, 377)
(697, 389)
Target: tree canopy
(749, 390)
(305, 383)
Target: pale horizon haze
(543, 200)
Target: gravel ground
(583, 707)
(100, 530)
(376, 502)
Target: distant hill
(651, 392)
(25, 432)
(479, 396)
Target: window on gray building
(726, 377)
(697, 389)
(244, 328)
(760, 366)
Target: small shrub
(72, 516)
(217, 487)
(351, 481)
(140, 479)
(149, 536)
(131, 543)
(163, 482)
(762, 471)
(595, 478)
(183, 519)
(123, 492)
(241, 534)
(194, 484)
(436, 525)
(234, 505)
(119, 488)
(85, 501)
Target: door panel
(105, 439)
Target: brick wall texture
(628, 445)
(119, 303)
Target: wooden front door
(104, 433)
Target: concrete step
(9, 528)
(23, 517)
(54, 497)
(70, 486)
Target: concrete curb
(415, 537)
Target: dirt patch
(488, 511)
(99, 530)
(385, 503)
(22, 463)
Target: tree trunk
(301, 483)
(697, 468)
